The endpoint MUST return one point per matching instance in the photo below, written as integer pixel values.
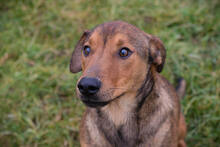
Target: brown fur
(142, 108)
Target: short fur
(141, 107)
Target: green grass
(38, 106)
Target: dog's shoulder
(165, 88)
(165, 96)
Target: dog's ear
(75, 62)
(157, 52)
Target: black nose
(89, 86)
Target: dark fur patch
(145, 89)
(109, 130)
(150, 131)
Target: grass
(38, 106)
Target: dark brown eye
(86, 51)
(125, 52)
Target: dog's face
(114, 58)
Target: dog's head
(114, 58)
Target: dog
(129, 104)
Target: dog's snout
(89, 86)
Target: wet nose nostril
(89, 86)
(93, 88)
(80, 87)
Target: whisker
(118, 88)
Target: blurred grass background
(38, 106)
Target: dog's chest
(104, 132)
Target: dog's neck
(119, 119)
(145, 90)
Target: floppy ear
(157, 53)
(75, 62)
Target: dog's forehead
(134, 35)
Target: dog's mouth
(94, 103)
(97, 103)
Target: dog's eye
(125, 52)
(86, 50)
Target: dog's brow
(90, 41)
(120, 42)
(93, 39)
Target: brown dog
(128, 102)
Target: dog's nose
(89, 86)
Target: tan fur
(142, 108)
(118, 111)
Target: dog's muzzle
(88, 88)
